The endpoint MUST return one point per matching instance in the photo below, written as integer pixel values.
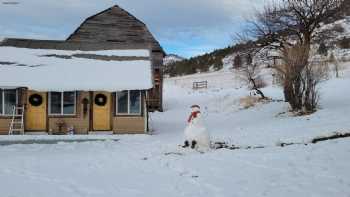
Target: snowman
(196, 135)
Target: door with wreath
(36, 111)
(101, 111)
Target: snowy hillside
(154, 165)
(222, 59)
(172, 58)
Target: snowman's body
(196, 131)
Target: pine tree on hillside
(322, 49)
(237, 62)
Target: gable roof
(64, 70)
(115, 25)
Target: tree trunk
(257, 89)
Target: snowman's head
(195, 108)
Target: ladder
(17, 122)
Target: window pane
(0, 101)
(122, 98)
(68, 103)
(135, 102)
(10, 101)
(55, 102)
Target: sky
(183, 27)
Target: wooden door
(36, 111)
(101, 111)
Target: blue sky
(183, 27)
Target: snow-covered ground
(154, 165)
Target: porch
(76, 112)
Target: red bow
(193, 115)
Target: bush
(344, 43)
(322, 49)
(301, 78)
(338, 28)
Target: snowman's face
(195, 109)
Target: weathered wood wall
(115, 25)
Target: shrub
(338, 28)
(300, 78)
(344, 43)
(322, 49)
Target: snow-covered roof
(62, 70)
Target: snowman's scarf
(193, 116)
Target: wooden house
(106, 76)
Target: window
(69, 103)
(135, 102)
(62, 103)
(55, 102)
(129, 102)
(8, 99)
(122, 102)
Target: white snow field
(154, 165)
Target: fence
(200, 85)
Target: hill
(208, 62)
(171, 59)
(220, 58)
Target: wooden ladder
(17, 122)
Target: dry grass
(249, 101)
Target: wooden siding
(128, 125)
(4, 125)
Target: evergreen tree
(237, 62)
(322, 49)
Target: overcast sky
(184, 27)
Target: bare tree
(301, 82)
(314, 73)
(251, 73)
(291, 27)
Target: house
(106, 76)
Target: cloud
(191, 24)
